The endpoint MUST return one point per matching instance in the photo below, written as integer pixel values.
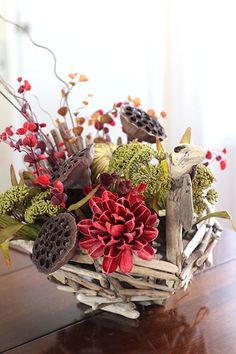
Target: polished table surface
(36, 318)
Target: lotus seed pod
(56, 243)
(139, 125)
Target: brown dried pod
(139, 125)
(56, 243)
(75, 171)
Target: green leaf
(83, 201)
(26, 176)
(8, 232)
(186, 138)
(13, 176)
(26, 232)
(5, 251)
(163, 162)
(218, 214)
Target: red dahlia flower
(119, 228)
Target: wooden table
(36, 318)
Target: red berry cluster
(216, 155)
(23, 87)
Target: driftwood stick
(65, 288)
(82, 258)
(122, 308)
(152, 273)
(138, 292)
(140, 283)
(197, 238)
(82, 271)
(208, 251)
(56, 136)
(205, 240)
(173, 223)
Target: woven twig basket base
(150, 282)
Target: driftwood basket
(150, 282)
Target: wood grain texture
(202, 322)
(18, 260)
(31, 306)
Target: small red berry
(43, 180)
(208, 155)
(163, 114)
(9, 131)
(19, 79)
(21, 131)
(27, 85)
(42, 125)
(98, 125)
(224, 151)
(58, 185)
(30, 140)
(218, 158)
(118, 104)
(222, 165)
(3, 136)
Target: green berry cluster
(13, 198)
(202, 191)
(40, 206)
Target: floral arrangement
(116, 222)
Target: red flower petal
(150, 233)
(95, 204)
(83, 226)
(147, 252)
(152, 221)
(126, 261)
(96, 250)
(115, 230)
(110, 264)
(86, 242)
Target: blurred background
(177, 56)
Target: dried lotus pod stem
(56, 243)
(56, 136)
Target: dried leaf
(106, 118)
(63, 93)
(95, 116)
(73, 76)
(137, 102)
(218, 214)
(5, 251)
(85, 102)
(163, 162)
(13, 176)
(78, 130)
(83, 201)
(151, 113)
(80, 120)
(186, 138)
(62, 111)
(83, 78)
